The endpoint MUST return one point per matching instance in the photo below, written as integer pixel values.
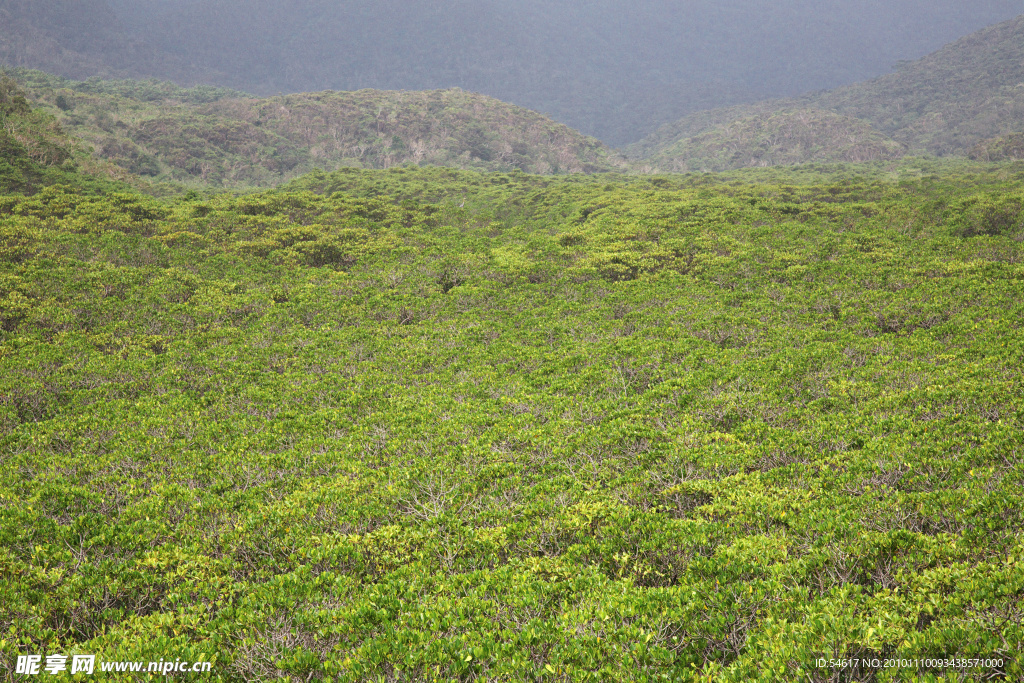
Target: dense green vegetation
(221, 137)
(35, 152)
(429, 424)
(945, 104)
(1002, 148)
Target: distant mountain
(223, 137)
(947, 103)
(82, 39)
(64, 35)
(615, 69)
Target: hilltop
(223, 137)
(947, 103)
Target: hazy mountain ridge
(223, 137)
(610, 68)
(966, 99)
(83, 39)
(944, 104)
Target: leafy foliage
(34, 150)
(1006, 147)
(432, 424)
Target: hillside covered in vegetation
(778, 138)
(945, 104)
(220, 137)
(433, 424)
(1001, 148)
(617, 70)
(36, 152)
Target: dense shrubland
(427, 424)
(1002, 148)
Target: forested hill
(615, 69)
(227, 138)
(777, 138)
(962, 99)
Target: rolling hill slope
(462, 426)
(779, 138)
(228, 138)
(945, 104)
(451, 425)
(36, 152)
